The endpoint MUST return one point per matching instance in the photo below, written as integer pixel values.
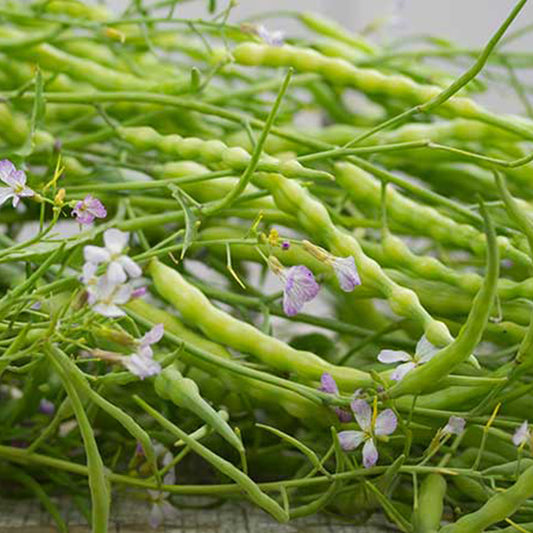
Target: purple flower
(120, 266)
(285, 245)
(424, 351)
(300, 287)
(455, 426)
(88, 209)
(272, 38)
(384, 424)
(328, 385)
(138, 293)
(522, 435)
(105, 297)
(46, 407)
(346, 272)
(15, 181)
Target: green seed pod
(428, 513)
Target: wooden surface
(131, 517)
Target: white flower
(423, 353)
(455, 426)
(105, 297)
(120, 266)
(15, 181)
(522, 435)
(142, 363)
(272, 38)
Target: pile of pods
(289, 269)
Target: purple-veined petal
(95, 254)
(370, 454)
(115, 240)
(153, 336)
(122, 294)
(115, 273)
(386, 423)
(84, 217)
(425, 350)
(346, 273)
(363, 414)
(521, 435)
(5, 194)
(6, 170)
(393, 356)
(300, 287)
(401, 370)
(455, 425)
(109, 310)
(130, 266)
(350, 440)
(327, 384)
(18, 178)
(95, 206)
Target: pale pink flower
(15, 181)
(88, 209)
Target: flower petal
(400, 371)
(115, 273)
(154, 335)
(115, 240)
(156, 517)
(5, 194)
(109, 310)
(300, 287)
(370, 454)
(363, 414)
(343, 415)
(95, 254)
(386, 423)
(130, 266)
(350, 440)
(328, 384)
(346, 273)
(455, 425)
(425, 350)
(122, 294)
(89, 273)
(143, 367)
(393, 356)
(6, 169)
(521, 435)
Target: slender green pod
(372, 82)
(98, 482)
(247, 485)
(428, 513)
(211, 152)
(220, 326)
(420, 219)
(314, 218)
(425, 375)
(498, 507)
(184, 392)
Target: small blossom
(120, 266)
(46, 407)
(272, 38)
(285, 245)
(328, 385)
(346, 272)
(161, 509)
(455, 426)
(424, 351)
(138, 293)
(300, 285)
(15, 181)
(105, 297)
(522, 435)
(88, 209)
(142, 363)
(384, 424)
(344, 267)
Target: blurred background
(466, 23)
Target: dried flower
(384, 424)
(455, 426)
(522, 435)
(88, 209)
(15, 181)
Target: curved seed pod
(220, 326)
(420, 378)
(212, 152)
(183, 392)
